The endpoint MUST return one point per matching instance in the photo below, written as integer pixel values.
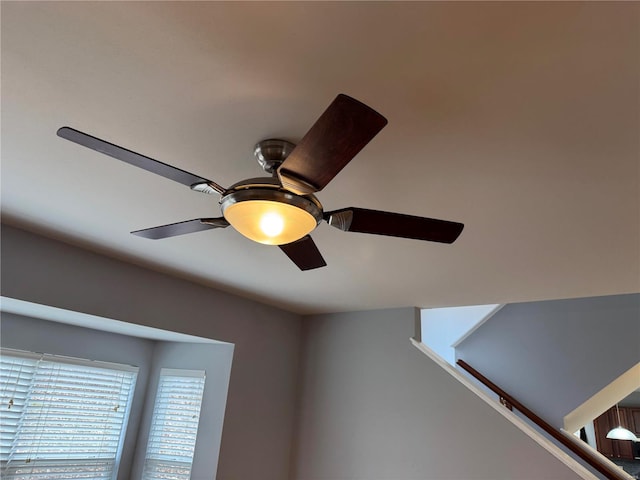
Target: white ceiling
(520, 120)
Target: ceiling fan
(282, 209)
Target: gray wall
(373, 407)
(215, 360)
(632, 400)
(554, 355)
(34, 335)
(256, 440)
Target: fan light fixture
(270, 216)
(621, 433)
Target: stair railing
(595, 460)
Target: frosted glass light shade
(620, 433)
(270, 222)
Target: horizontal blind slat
(166, 470)
(52, 470)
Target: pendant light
(621, 433)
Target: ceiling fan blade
(304, 253)
(182, 228)
(345, 127)
(154, 166)
(394, 224)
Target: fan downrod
(271, 153)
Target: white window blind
(174, 428)
(62, 418)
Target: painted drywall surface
(632, 400)
(215, 360)
(71, 317)
(256, 440)
(554, 355)
(35, 335)
(373, 407)
(599, 403)
(442, 327)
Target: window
(62, 418)
(172, 437)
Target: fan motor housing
(271, 153)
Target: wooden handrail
(570, 443)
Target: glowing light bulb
(271, 217)
(272, 224)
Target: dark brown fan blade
(181, 228)
(345, 127)
(304, 253)
(394, 224)
(146, 163)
